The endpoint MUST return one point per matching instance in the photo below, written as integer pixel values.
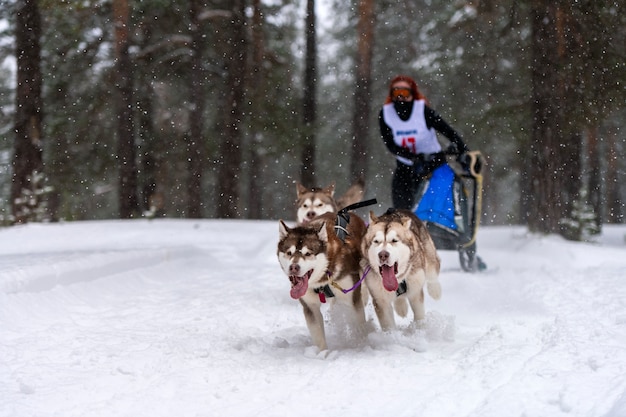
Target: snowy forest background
(213, 108)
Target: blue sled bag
(437, 202)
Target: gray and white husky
(403, 260)
(314, 201)
(321, 267)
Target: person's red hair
(415, 92)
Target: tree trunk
(615, 203)
(594, 184)
(128, 201)
(309, 111)
(256, 72)
(195, 139)
(145, 99)
(362, 91)
(231, 127)
(554, 168)
(27, 157)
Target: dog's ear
(283, 230)
(407, 223)
(300, 189)
(373, 218)
(322, 233)
(354, 194)
(330, 190)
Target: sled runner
(450, 203)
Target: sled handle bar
(475, 166)
(476, 163)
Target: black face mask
(403, 108)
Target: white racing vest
(413, 133)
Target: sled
(449, 202)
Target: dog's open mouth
(388, 272)
(299, 285)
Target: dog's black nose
(294, 269)
(383, 256)
(310, 214)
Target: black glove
(465, 161)
(418, 158)
(424, 164)
(452, 149)
(428, 158)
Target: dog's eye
(394, 240)
(289, 253)
(376, 241)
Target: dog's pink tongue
(299, 288)
(389, 277)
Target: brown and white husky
(323, 268)
(403, 260)
(314, 201)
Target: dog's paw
(313, 352)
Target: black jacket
(433, 120)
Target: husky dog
(403, 259)
(322, 266)
(312, 202)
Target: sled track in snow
(50, 270)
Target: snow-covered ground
(194, 318)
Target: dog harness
(326, 291)
(341, 230)
(341, 224)
(401, 288)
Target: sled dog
(312, 202)
(322, 267)
(403, 259)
